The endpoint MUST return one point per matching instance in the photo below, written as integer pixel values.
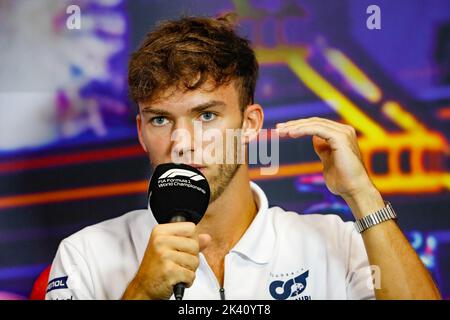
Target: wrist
(364, 202)
(134, 291)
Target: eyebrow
(198, 108)
(209, 104)
(157, 111)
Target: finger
(320, 143)
(181, 229)
(321, 147)
(183, 244)
(178, 274)
(204, 240)
(188, 276)
(331, 135)
(184, 259)
(290, 129)
(319, 121)
(335, 124)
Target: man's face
(166, 131)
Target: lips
(198, 167)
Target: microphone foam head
(178, 189)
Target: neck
(229, 216)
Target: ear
(252, 122)
(139, 130)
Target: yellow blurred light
(401, 117)
(417, 140)
(296, 59)
(356, 78)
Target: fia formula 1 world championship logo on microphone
(172, 173)
(178, 177)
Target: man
(198, 70)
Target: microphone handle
(178, 218)
(178, 289)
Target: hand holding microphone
(178, 193)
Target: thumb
(321, 147)
(204, 239)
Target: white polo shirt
(282, 255)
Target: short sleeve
(359, 276)
(70, 278)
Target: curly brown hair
(186, 53)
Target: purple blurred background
(69, 155)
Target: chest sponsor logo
(57, 283)
(290, 288)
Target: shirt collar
(258, 241)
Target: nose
(183, 142)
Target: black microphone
(178, 193)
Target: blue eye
(158, 121)
(207, 116)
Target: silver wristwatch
(384, 214)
